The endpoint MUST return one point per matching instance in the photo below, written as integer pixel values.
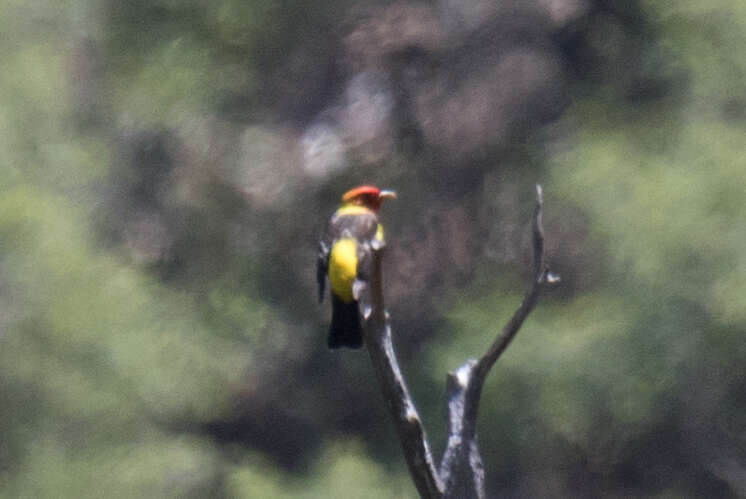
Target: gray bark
(460, 474)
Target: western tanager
(345, 255)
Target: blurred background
(167, 167)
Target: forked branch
(460, 474)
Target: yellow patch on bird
(353, 209)
(343, 268)
(379, 233)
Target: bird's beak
(387, 195)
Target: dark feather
(345, 330)
(322, 265)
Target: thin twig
(539, 277)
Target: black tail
(345, 330)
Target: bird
(344, 258)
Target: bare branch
(539, 278)
(408, 423)
(461, 474)
(461, 469)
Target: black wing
(322, 263)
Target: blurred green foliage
(341, 468)
(158, 331)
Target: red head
(368, 196)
